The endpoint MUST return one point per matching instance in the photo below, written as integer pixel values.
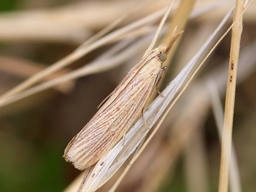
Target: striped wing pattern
(116, 116)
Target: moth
(120, 111)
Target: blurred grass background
(35, 131)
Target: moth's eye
(162, 56)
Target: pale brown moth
(120, 110)
(122, 107)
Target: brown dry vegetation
(184, 155)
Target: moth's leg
(158, 78)
(123, 142)
(159, 93)
(142, 116)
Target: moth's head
(162, 56)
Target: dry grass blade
(230, 97)
(70, 23)
(218, 115)
(180, 20)
(104, 62)
(25, 69)
(83, 49)
(79, 52)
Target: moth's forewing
(116, 116)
